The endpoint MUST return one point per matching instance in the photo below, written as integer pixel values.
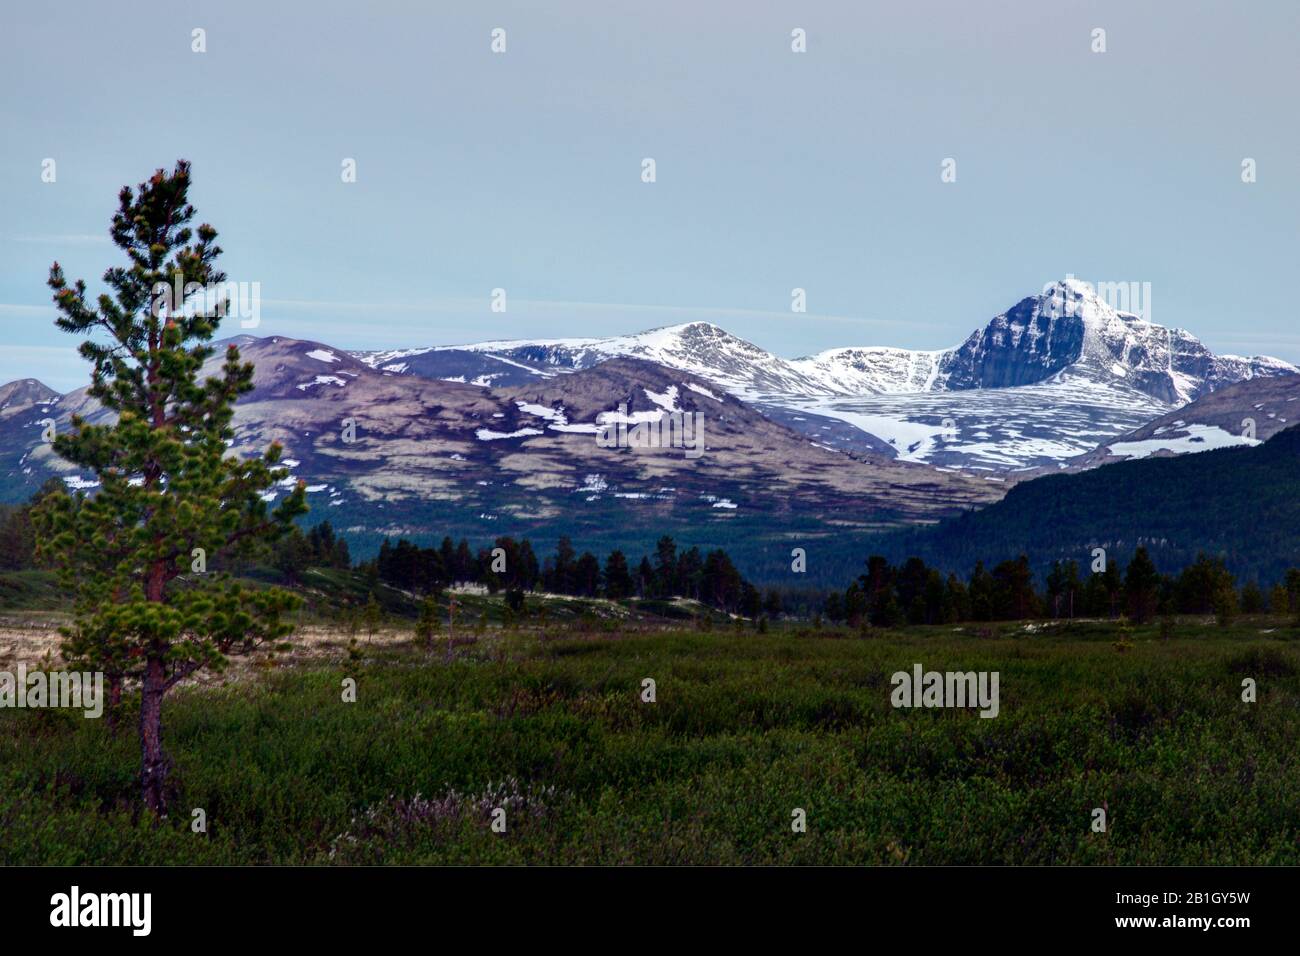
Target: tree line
(512, 565)
(887, 595)
(884, 595)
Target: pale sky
(775, 169)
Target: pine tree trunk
(153, 761)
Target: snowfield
(1198, 438)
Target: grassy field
(746, 728)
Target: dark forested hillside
(1240, 503)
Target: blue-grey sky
(775, 169)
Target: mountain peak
(686, 331)
(1071, 297)
(699, 325)
(26, 391)
(1098, 332)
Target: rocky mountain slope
(1067, 327)
(1054, 376)
(1246, 413)
(384, 453)
(737, 366)
(24, 392)
(502, 437)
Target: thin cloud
(14, 308)
(70, 239)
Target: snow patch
(667, 400)
(1198, 438)
(699, 390)
(322, 380)
(487, 434)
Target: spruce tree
(982, 588)
(1141, 587)
(1278, 602)
(170, 500)
(617, 578)
(427, 625)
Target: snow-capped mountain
(25, 392)
(699, 348)
(1053, 377)
(1066, 327)
(389, 454)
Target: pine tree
(427, 625)
(1293, 591)
(1113, 585)
(374, 616)
(586, 575)
(464, 563)
(169, 500)
(563, 573)
(1063, 588)
(1225, 604)
(1014, 597)
(617, 577)
(720, 583)
(911, 583)
(772, 603)
(956, 601)
(1056, 587)
(528, 572)
(292, 556)
(645, 578)
(1278, 602)
(981, 593)
(878, 589)
(665, 567)
(1200, 583)
(690, 572)
(1073, 589)
(1141, 587)
(1252, 598)
(934, 597)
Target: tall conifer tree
(170, 500)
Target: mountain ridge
(1041, 386)
(1042, 383)
(1075, 326)
(1239, 502)
(424, 458)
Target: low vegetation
(550, 725)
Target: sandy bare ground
(30, 640)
